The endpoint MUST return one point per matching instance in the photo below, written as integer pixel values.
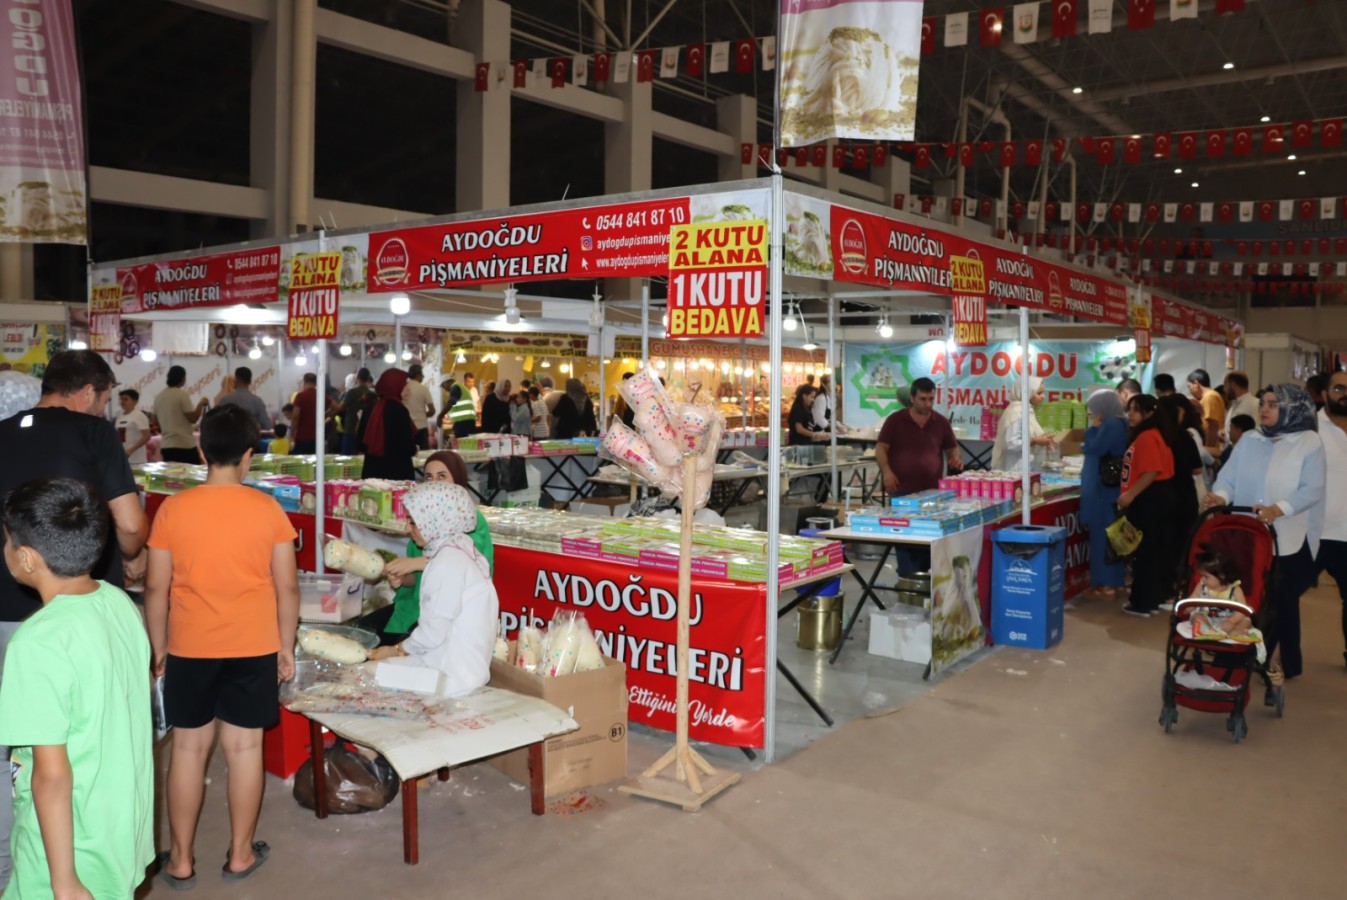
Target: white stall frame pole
(776, 231)
(645, 324)
(320, 441)
(831, 366)
(1026, 410)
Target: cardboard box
(901, 633)
(597, 753)
(1071, 441)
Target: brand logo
(1055, 298)
(391, 262)
(854, 253)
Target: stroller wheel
(1237, 727)
(1281, 702)
(1168, 716)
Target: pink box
(579, 546)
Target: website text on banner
(717, 279)
(615, 241)
(220, 279)
(105, 318)
(633, 614)
(315, 294)
(41, 127)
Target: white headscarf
(444, 513)
(1011, 419)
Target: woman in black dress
(575, 413)
(800, 421)
(386, 432)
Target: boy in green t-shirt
(75, 704)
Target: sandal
(260, 849)
(174, 882)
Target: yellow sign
(105, 318)
(967, 275)
(717, 279)
(1141, 316)
(315, 295)
(718, 245)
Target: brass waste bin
(821, 615)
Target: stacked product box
(993, 485)
(923, 499)
(926, 523)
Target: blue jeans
(7, 630)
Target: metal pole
(645, 324)
(775, 232)
(1026, 410)
(603, 386)
(319, 469)
(280, 381)
(397, 340)
(832, 392)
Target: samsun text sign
(315, 294)
(717, 279)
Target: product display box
(597, 753)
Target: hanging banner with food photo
(848, 70)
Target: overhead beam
(570, 98)
(247, 10)
(389, 44)
(695, 136)
(130, 188)
(1225, 76)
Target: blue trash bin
(1028, 585)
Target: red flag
(765, 155)
(839, 156)
(696, 58)
(1087, 144)
(985, 207)
(860, 157)
(1207, 247)
(1307, 209)
(1082, 212)
(956, 206)
(922, 159)
(1104, 151)
(645, 65)
(928, 35)
(986, 146)
(801, 156)
(1301, 134)
(1140, 14)
(1330, 132)
(881, 155)
(1340, 245)
(1272, 138)
(1241, 248)
(521, 72)
(1266, 211)
(951, 150)
(1132, 150)
(557, 67)
(782, 156)
(1007, 154)
(1274, 248)
(744, 49)
(1133, 245)
(926, 203)
(1229, 6)
(1243, 141)
(746, 154)
(1118, 212)
(1058, 149)
(1215, 143)
(1050, 211)
(479, 83)
(1163, 247)
(1187, 145)
(1161, 142)
(899, 201)
(1063, 18)
(1187, 211)
(1152, 212)
(989, 32)
(1225, 211)
(1257, 247)
(1033, 153)
(601, 63)
(965, 154)
(1017, 209)
(1325, 246)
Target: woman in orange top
(1147, 497)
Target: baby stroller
(1253, 545)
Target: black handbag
(1110, 471)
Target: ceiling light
(546, 364)
(255, 353)
(267, 340)
(564, 367)
(1266, 119)
(406, 354)
(1178, 171)
(400, 304)
(301, 360)
(1228, 66)
(390, 357)
(78, 345)
(885, 329)
(1194, 184)
(1291, 158)
(1078, 90)
(148, 355)
(460, 358)
(788, 321)
(345, 350)
(1301, 172)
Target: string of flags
(742, 55)
(1228, 211)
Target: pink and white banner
(42, 179)
(848, 70)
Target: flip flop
(260, 849)
(173, 881)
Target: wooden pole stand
(687, 788)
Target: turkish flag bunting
(1083, 212)
(989, 30)
(1325, 246)
(1242, 248)
(744, 50)
(965, 154)
(860, 158)
(1007, 154)
(986, 209)
(839, 156)
(956, 206)
(1050, 213)
(1229, 6)
(782, 157)
(1272, 138)
(1215, 143)
(1132, 150)
(696, 59)
(645, 65)
(1087, 144)
(1257, 247)
(1301, 134)
(1187, 145)
(1274, 248)
(1140, 14)
(1033, 153)
(601, 63)
(1243, 141)
(480, 82)
(1163, 248)
(1104, 151)
(1117, 211)
(818, 156)
(922, 159)
(1307, 209)
(1017, 209)
(801, 156)
(1225, 212)
(926, 205)
(881, 154)
(746, 154)
(1330, 132)
(928, 35)
(1266, 211)
(1340, 245)
(765, 155)
(1063, 18)
(986, 146)
(521, 72)
(1058, 149)
(557, 68)
(1152, 212)
(1133, 245)
(1186, 212)
(1160, 145)
(951, 150)
(899, 201)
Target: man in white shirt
(133, 426)
(1332, 556)
(1241, 402)
(419, 405)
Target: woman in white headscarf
(1009, 447)
(456, 631)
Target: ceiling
(168, 91)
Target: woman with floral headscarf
(386, 432)
(1279, 470)
(457, 628)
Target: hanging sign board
(717, 279)
(968, 279)
(218, 279)
(105, 318)
(1143, 338)
(315, 294)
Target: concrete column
(482, 177)
(16, 272)
(270, 112)
(737, 116)
(627, 144)
(304, 64)
(896, 178)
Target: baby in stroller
(1230, 619)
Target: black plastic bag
(355, 784)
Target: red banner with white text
(632, 612)
(221, 279)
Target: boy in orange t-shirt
(222, 606)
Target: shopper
(355, 403)
(521, 414)
(280, 444)
(800, 424)
(1164, 385)
(574, 414)
(1241, 402)
(1008, 450)
(1104, 447)
(823, 404)
(622, 411)
(551, 396)
(386, 432)
(1239, 426)
(1332, 556)
(177, 416)
(1190, 460)
(542, 419)
(462, 416)
(419, 404)
(496, 407)
(133, 427)
(1280, 471)
(1212, 406)
(1147, 498)
(1317, 387)
(1127, 389)
(75, 704)
(221, 606)
(916, 444)
(470, 386)
(456, 629)
(242, 395)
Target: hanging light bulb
(460, 358)
(316, 348)
(788, 321)
(267, 340)
(345, 350)
(546, 364)
(400, 304)
(406, 354)
(390, 357)
(148, 355)
(564, 367)
(301, 360)
(885, 329)
(78, 345)
(255, 352)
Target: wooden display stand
(686, 788)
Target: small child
(456, 631)
(222, 562)
(1220, 581)
(74, 704)
(280, 444)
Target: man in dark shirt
(65, 435)
(304, 439)
(915, 443)
(353, 402)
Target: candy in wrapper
(529, 648)
(367, 564)
(561, 647)
(631, 451)
(502, 650)
(589, 657)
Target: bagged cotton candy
(529, 648)
(18, 392)
(502, 650)
(643, 390)
(338, 554)
(631, 451)
(562, 646)
(589, 657)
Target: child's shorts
(242, 691)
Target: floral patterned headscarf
(1295, 410)
(444, 513)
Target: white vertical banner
(720, 57)
(1237, 268)
(1246, 210)
(1205, 211)
(1262, 268)
(956, 30)
(540, 75)
(1134, 213)
(1286, 210)
(1100, 213)
(668, 62)
(580, 70)
(1327, 207)
(1171, 212)
(621, 68)
(1026, 22)
(768, 47)
(1314, 269)
(849, 70)
(1100, 17)
(1182, 9)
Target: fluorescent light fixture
(1228, 66)
(1301, 172)
(400, 304)
(1178, 171)
(1266, 119)
(1195, 184)
(148, 355)
(1291, 158)
(78, 345)
(390, 357)
(1078, 90)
